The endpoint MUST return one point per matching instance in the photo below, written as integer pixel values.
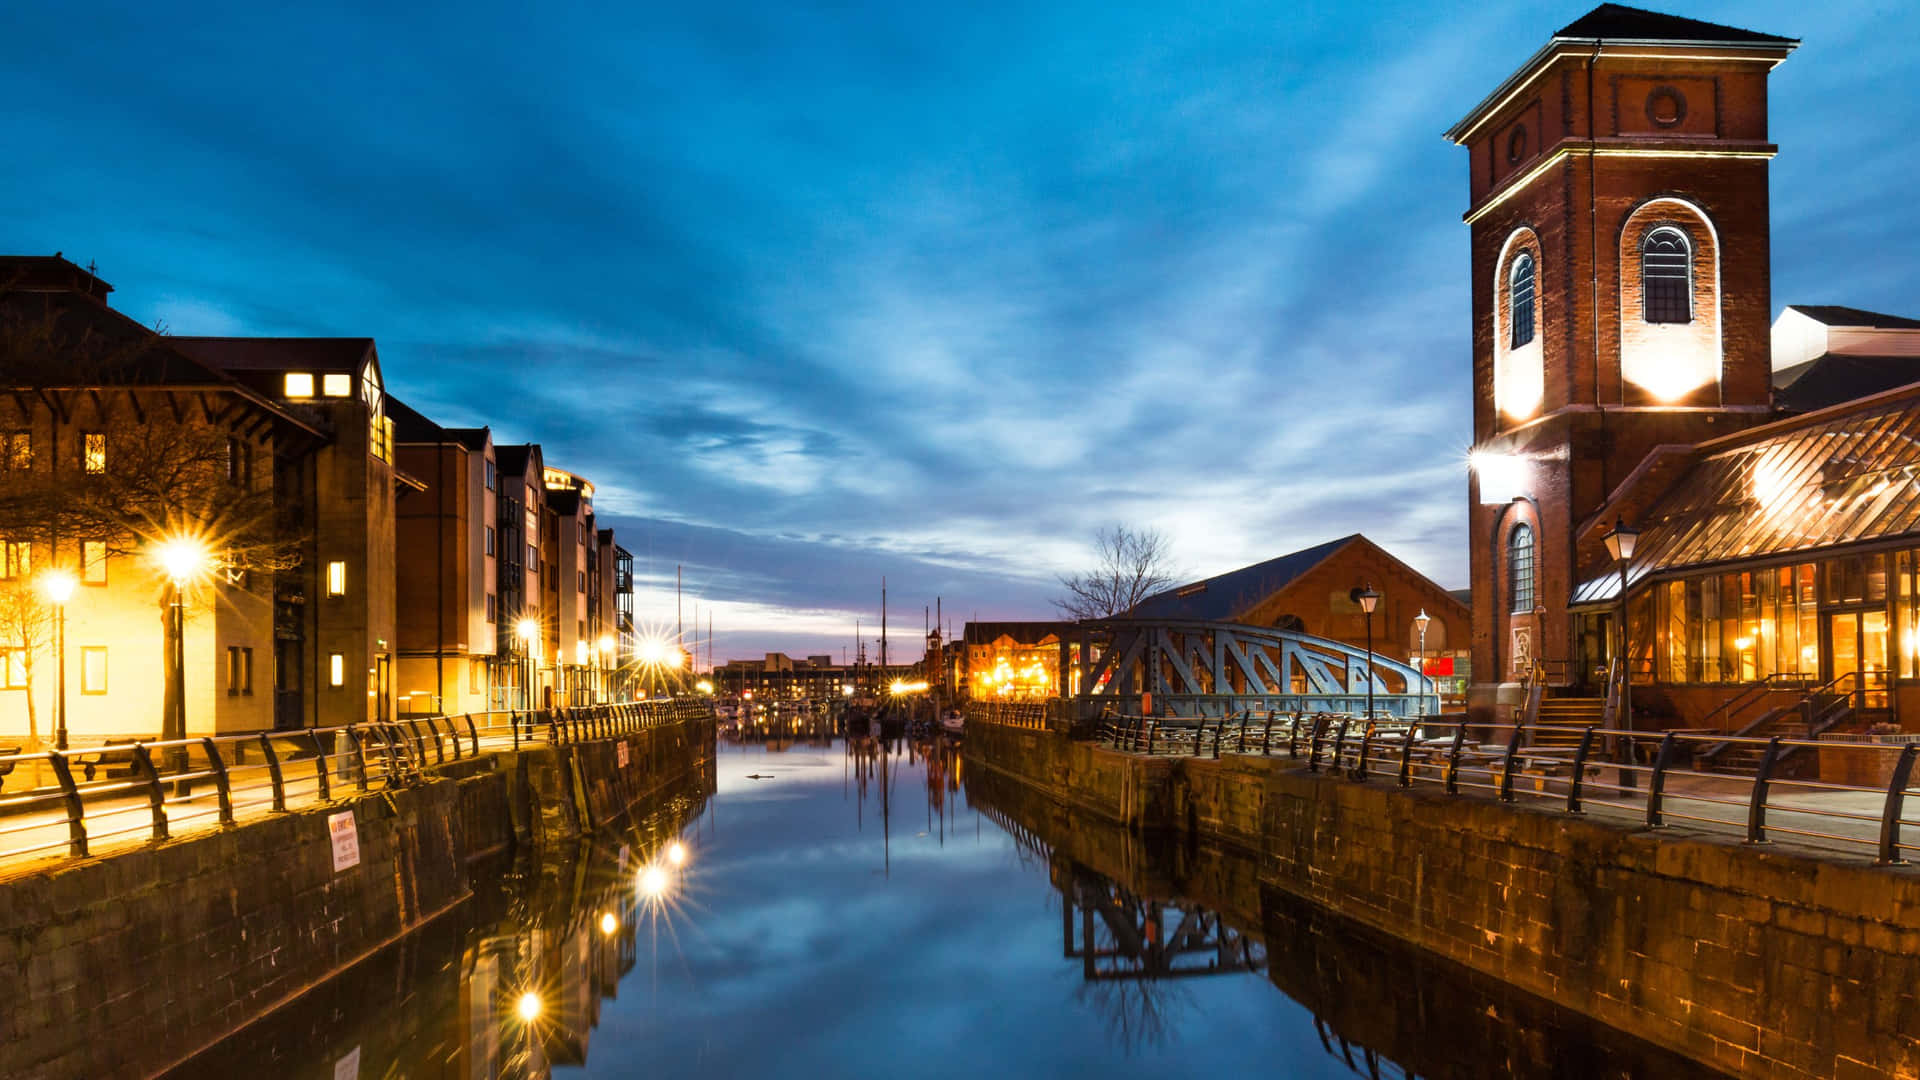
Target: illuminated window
(336, 578)
(337, 669)
(93, 562)
(13, 669)
(336, 384)
(1520, 567)
(239, 462)
(16, 559)
(16, 450)
(93, 669)
(239, 670)
(299, 384)
(1666, 276)
(95, 444)
(1520, 300)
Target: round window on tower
(1666, 107)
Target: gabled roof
(1230, 595)
(280, 354)
(515, 460)
(1841, 315)
(1618, 22)
(411, 426)
(1833, 378)
(1021, 633)
(473, 438)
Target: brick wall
(1760, 962)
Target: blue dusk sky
(816, 293)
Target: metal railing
(1637, 773)
(83, 796)
(1031, 715)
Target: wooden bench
(7, 762)
(113, 759)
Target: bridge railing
(1842, 793)
(75, 800)
(1032, 715)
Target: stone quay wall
(1759, 962)
(125, 964)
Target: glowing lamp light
(653, 881)
(1743, 643)
(528, 629)
(677, 853)
(181, 558)
(606, 644)
(1503, 477)
(529, 1006)
(846, 690)
(703, 686)
(608, 924)
(58, 585)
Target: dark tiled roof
(473, 438)
(1230, 595)
(410, 426)
(1022, 633)
(564, 500)
(279, 354)
(1840, 315)
(95, 344)
(1617, 22)
(49, 273)
(512, 460)
(1833, 378)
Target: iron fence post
(273, 772)
(1153, 729)
(1511, 763)
(1313, 744)
(474, 733)
(1340, 743)
(1406, 757)
(143, 761)
(220, 784)
(1762, 782)
(1579, 772)
(1293, 737)
(1453, 758)
(1366, 744)
(76, 810)
(1657, 787)
(1266, 736)
(321, 767)
(359, 751)
(1896, 798)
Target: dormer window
(336, 384)
(1666, 276)
(298, 384)
(1520, 291)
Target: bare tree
(1129, 566)
(26, 625)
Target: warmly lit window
(1666, 276)
(337, 669)
(1520, 300)
(16, 450)
(93, 669)
(95, 443)
(1520, 567)
(13, 668)
(299, 384)
(239, 462)
(336, 384)
(93, 562)
(16, 559)
(239, 670)
(580, 652)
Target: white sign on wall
(348, 1067)
(346, 841)
(621, 752)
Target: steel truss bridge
(1219, 669)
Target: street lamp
(528, 631)
(58, 585)
(182, 558)
(1620, 544)
(1420, 622)
(1368, 600)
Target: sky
(818, 294)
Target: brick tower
(1620, 301)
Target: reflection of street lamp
(1620, 548)
(1420, 622)
(1368, 600)
(528, 631)
(182, 558)
(58, 585)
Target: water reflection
(509, 985)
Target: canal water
(829, 909)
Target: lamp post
(526, 630)
(1420, 622)
(182, 559)
(58, 585)
(1368, 600)
(1620, 548)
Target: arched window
(1666, 276)
(1520, 567)
(1520, 299)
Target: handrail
(218, 778)
(1755, 690)
(1805, 705)
(1650, 786)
